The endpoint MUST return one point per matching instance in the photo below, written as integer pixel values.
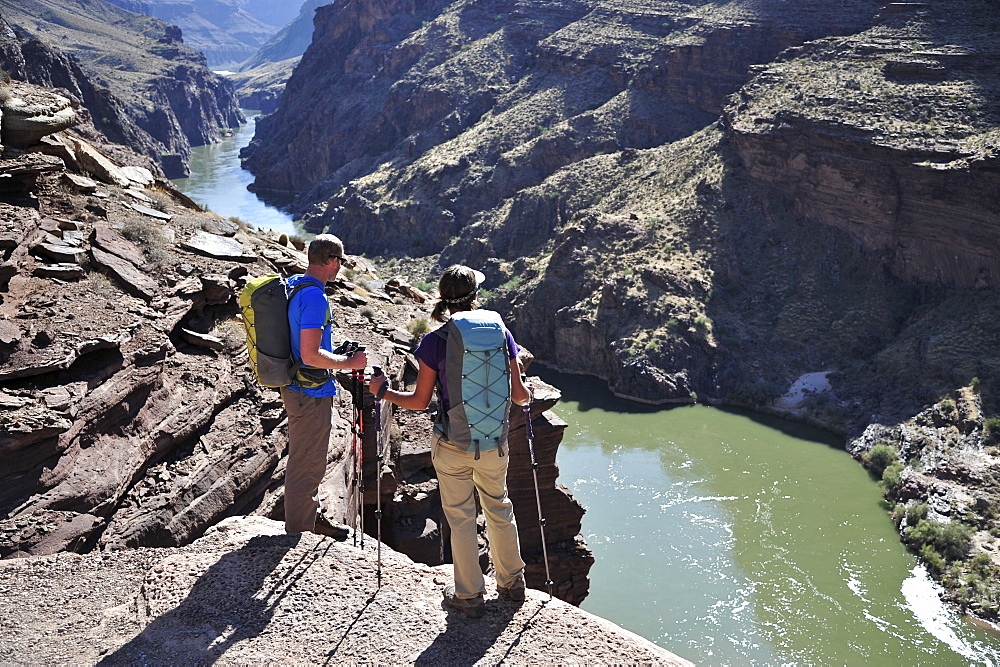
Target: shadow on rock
(467, 640)
(233, 599)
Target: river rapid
(726, 537)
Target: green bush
(951, 540)
(916, 513)
(891, 477)
(879, 457)
(932, 558)
(991, 426)
(418, 327)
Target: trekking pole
(359, 378)
(354, 449)
(377, 372)
(538, 498)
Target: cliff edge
(247, 592)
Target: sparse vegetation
(149, 237)
(418, 327)
(880, 457)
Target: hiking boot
(471, 607)
(326, 527)
(515, 593)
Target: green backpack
(264, 306)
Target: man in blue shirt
(309, 403)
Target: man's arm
(313, 354)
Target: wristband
(380, 394)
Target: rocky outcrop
(247, 592)
(168, 102)
(921, 195)
(940, 471)
(30, 114)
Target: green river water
(733, 538)
(725, 537)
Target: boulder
(30, 113)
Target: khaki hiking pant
(309, 428)
(458, 474)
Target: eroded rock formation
(132, 79)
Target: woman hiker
(463, 463)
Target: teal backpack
(477, 373)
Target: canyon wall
(139, 85)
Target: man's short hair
(323, 247)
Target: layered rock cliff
(140, 84)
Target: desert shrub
(232, 333)
(369, 312)
(878, 458)
(149, 237)
(950, 540)
(425, 286)
(160, 201)
(991, 427)
(891, 478)
(418, 326)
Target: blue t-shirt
(309, 309)
(433, 349)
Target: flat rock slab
(222, 227)
(151, 212)
(248, 593)
(220, 247)
(132, 279)
(139, 175)
(61, 271)
(110, 240)
(59, 252)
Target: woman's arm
(519, 393)
(418, 399)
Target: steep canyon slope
(142, 86)
(692, 201)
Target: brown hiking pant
(458, 474)
(309, 422)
